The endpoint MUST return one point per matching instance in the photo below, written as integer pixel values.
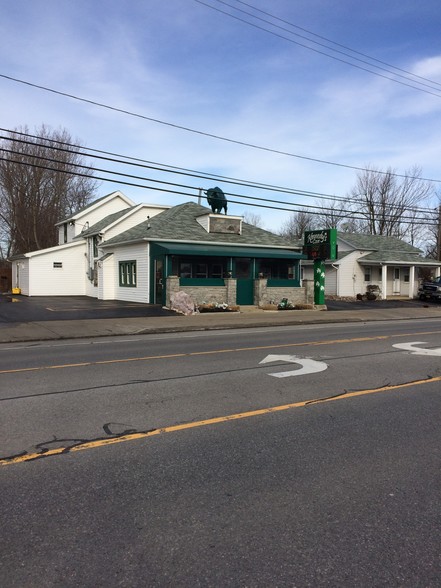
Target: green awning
(166, 248)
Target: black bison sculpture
(216, 199)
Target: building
(114, 249)
(389, 265)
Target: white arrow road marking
(309, 366)
(417, 350)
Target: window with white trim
(127, 274)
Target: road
(297, 456)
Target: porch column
(260, 291)
(384, 282)
(411, 281)
(437, 272)
(231, 291)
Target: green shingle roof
(179, 224)
(384, 249)
(379, 243)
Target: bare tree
(296, 225)
(39, 186)
(390, 205)
(253, 219)
(335, 215)
(431, 243)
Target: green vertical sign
(319, 281)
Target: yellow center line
(207, 422)
(217, 351)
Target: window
(58, 264)
(95, 245)
(201, 270)
(216, 270)
(277, 269)
(127, 274)
(197, 267)
(185, 270)
(406, 274)
(367, 273)
(65, 232)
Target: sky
(238, 95)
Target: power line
(270, 204)
(322, 52)
(156, 167)
(128, 160)
(202, 133)
(335, 43)
(168, 191)
(387, 69)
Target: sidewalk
(72, 329)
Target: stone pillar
(260, 291)
(231, 287)
(172, 285)
(309, 291)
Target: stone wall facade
(200, 294)
(263, 294)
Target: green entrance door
(245, 282)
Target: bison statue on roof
(216, 199)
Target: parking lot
(22, 309)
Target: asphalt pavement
(50, 318)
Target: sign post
(318, 246)
(319, 281)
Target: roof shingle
(179, 224)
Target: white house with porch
(388, 264)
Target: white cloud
(197, 69)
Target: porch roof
(407, 259)
(171, 248)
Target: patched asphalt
(24, 309)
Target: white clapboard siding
(139, 253)
(58, 271)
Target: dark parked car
(430, 289)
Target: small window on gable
(58, 264)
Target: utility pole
(438, 244)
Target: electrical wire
(182, 171)
(202, 133)
(409, 85)
(432, 84)
(270, 204)
(335, 43)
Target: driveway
(22, 309)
